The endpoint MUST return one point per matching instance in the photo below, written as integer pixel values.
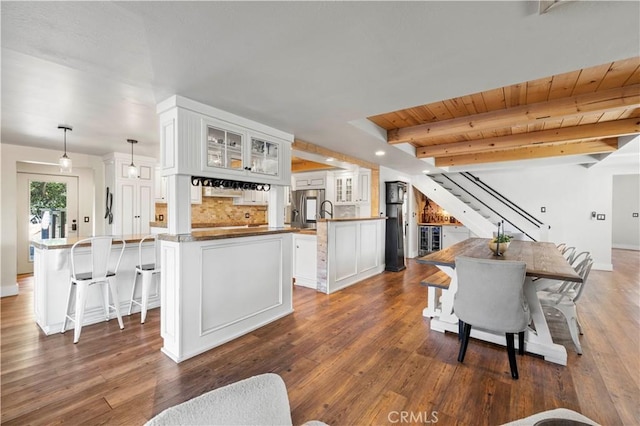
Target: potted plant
(504, 241)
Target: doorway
(47, 208)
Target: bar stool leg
(146, 286)
(116, 302)
(133, 289)
(68, 307)
(104, 288)
(81, 298)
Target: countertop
(208, 225)
(353, 219)
(218, 234)
(64, 243)
(441, 224)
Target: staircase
(478, 206)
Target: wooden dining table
(543, 260)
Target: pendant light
(132, 171)
(64, 161)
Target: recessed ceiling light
(426, 172)
(379, 153)
(330, 159)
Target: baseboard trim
(603, 266)
(10, 290)
(625, 247)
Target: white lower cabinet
(305, 263)
(453, 234)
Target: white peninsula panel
(219, 285)
(349, 250)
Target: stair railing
(504, 200)
(487, 206)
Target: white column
(179, 204)
(276, 207)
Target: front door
(47, 208)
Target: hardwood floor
(356, 357)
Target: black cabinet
(394, 242)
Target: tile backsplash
(221, 210)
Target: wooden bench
(437, 279)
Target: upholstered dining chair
(98, 273)
(147, 268)
(490, 297)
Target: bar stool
(100, 251)
(146, 271)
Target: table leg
(539, 341)
(432, 309)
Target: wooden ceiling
(580, 112)
(301, 165)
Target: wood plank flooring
(361, 356)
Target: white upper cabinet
(130, 199)
(264, 156)
(364, 186)
(240, 154)
(252, 198)
(344, 188)
(309, 180)
(160, 189)
(223, 148)
(199, 140)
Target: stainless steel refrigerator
(305, 207)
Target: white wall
(626, 201)
(90, 194)
(570, 193)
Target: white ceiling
(314, 69)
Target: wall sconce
(64, 161)
(132, 171)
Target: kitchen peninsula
(52, 269)
(219, 284)
(349, 250)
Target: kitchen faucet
(323, 210)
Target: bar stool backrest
(149, 261)
(100, 250)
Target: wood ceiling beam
(529, 152)
(554, 136)
(305, 166)
(575, 106)
(301, 145)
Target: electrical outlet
(543, 209)
(600, 217)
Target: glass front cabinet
(241, 154)
(264, 156)
(224, 148)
